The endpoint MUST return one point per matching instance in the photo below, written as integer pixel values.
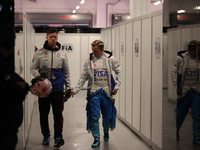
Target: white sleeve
(66, 72)
(117, 69)
(35, 65)
(177, 68)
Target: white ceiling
(67, 6)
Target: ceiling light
(77, 7)
(197, 7)
(157, 3)
(180, 11)
(83, 1)
(74, 11)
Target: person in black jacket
(53, 64)
(13, 90)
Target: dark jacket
(12, 96)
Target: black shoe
(46, 139)
(59, 142)
(96, 142)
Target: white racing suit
(99, 98)
(185, 77)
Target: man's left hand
(114, 92)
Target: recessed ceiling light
(77, 7)
(180, 11)
(74, 11)
(197, 7)
(157, 3)
(82, 2)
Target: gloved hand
(67, 95)
(34, 80)
(39, 78)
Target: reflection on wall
(178, 39)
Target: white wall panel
(129, 72)
(106, 40)
(146, 78)
(84, 52)
(24, 50)
(103, 35)
(137, 74)
(171, 61)
(178, 43)
(123, 67)
(73, 57)
(40, 38)
(157, 81)
(113, 41)
(109, 40)
(18, 53)
(198, 34)
(165, 61)
(195, 33)
(186, 37)
(117, 56)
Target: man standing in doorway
(53, 64)
(101, 88)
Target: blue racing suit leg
(195, 107)
(94, 103)
(106, 110)
(182, 109)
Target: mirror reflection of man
(185, 77)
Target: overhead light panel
(197, 7)
(74, 11)
(157, 3)
(83, 1)
(77, 7)
(180, 11)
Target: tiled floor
(122, 138)
(169, 128)
(75, 135)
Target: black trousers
(56, 100)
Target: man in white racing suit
(101, 88)
(53, 64)
(185, 77)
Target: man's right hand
(36, 79)
(72, 93)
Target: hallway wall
(24, 50)
(137, 45)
